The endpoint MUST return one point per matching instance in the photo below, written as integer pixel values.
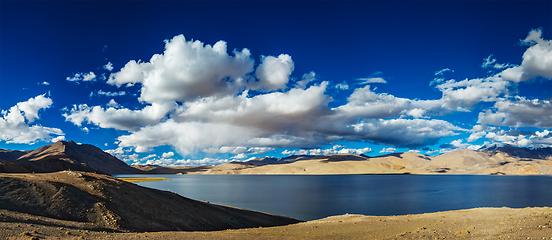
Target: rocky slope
(96, 201)
(63, 155)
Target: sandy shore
(479, 223)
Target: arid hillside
(98, 202)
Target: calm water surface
(313, 197)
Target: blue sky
(193, 83)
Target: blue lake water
(309, 197)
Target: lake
(309, 197)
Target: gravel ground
(479, 223)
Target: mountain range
(505, 160)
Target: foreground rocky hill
(506, 160)
(100, 202)
(62, 155)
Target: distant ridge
(498, 160)
(63, 155)
(11, 154)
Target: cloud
(108, 66)
(57, 139)
(243, 152)
(188, 137)
(373, 78)
(296, 118)
(490, 62)
(355, 151)
(515, 137)
(85, 77)
(443, 71)
(108, 94)
(463, 95)
(113, 104)
(307, 77)
(537, 60)
(388, 150)
(273, 73)
(439, 151)
(439, 76)
(476, 135)
(188, 70)
(365, 103)
(31, 107)
(167, 155)
(342, 86)
(267, 120)
(410, 133)
(503, 137)
(519, 112)
(121, 119)
(199, 162)
(14, 123)
(275, 111)
(199, 99)
(458, 143)
(44, 83)
(337, 149)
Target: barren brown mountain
(63, 155)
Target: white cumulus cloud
(187, 70)
(519, 112)
(198, 98)
(273, 73)
(118, 118)
(14, 123)
(537, 59)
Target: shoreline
(141, 179)
(333, 174)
